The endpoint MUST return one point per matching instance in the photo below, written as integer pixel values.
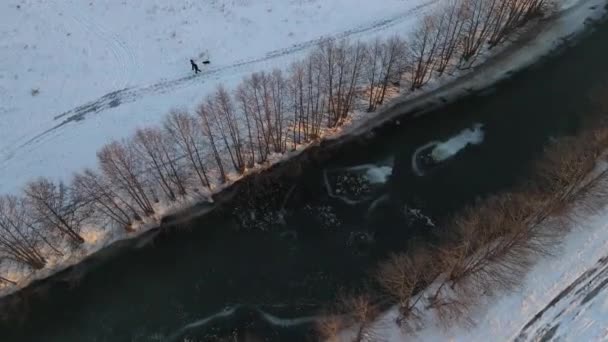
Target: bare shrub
(402, 277)
(362, 311)
(563, 169)
(329, 327)
(496, 241)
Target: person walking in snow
(195, 67)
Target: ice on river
(356, 184)
(378, 174)
(469, 136)
(435, 152)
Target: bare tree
(56, 207)
(155, 149)
(123, 166)
(510, 15)
(263, 99)
(243, 99)
(340, 64)
(206, 115)
(450, 25)
(356, 58)
(325, 59)
(478, 20)
(424, 49)
(187, 136)
(259, 111)
(279, 95)
(307, 100)
(19, 239)
(109, 203)
(228, 126)
(394, 54)
(372, 71)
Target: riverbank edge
(539, 40)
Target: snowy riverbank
(563, 297)
(511, 58)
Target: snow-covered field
(77, 74)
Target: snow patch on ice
(378, 175)
(469, 136)
(444, 150)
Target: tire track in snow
(128, 95)
(567, 306)
(121, 52)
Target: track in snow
(570, 309)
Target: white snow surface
(116, 65)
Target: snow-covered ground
(77, 74)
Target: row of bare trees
(268, 114)
(457, 33)
(490, 245)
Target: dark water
(212, 278)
